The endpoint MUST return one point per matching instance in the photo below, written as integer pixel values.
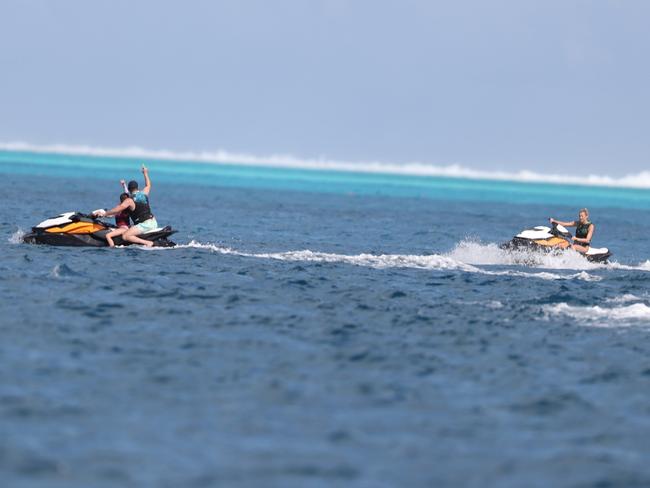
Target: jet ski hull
(78, 230)
(553, 244)
(98, 239)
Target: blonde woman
(584, 230)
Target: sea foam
(17, 237)
(477, 253)
(602, 316)
(640, 180)
(437, 262)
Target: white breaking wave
(477, 253)
(383, 261)
(17, 237)
(626, 298)
(56, 271)
(644, 266)
(602, 316)
(640, 180)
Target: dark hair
(133, 185)
(123, 197)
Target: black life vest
(142, 211)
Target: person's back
(142, 216)
(122, 214)
(142, 211)
(122, 219)
(137, 202)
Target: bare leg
(114, 233)
(580, 249)
(131, 235)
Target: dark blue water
(309, 338)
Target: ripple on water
(552, 404)
(63, 270)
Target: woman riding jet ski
(584, 230)
(558, 238)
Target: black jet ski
(555, 239)
(77, 229)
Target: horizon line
(636, 181)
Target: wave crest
(477, 253)
(17, 237)
(640, 180)
(602, 316)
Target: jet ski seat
(159, 229)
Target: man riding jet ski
(136, 205)
(559, 238)
(77, 229)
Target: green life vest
(582, 230)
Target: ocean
(320, 327)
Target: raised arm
(124, 187)
(147, 180)
(559, 222)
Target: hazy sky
(542, 85)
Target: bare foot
(148, 244)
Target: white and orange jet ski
(553, 239)
(77, 229)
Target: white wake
(602, 316)
(17, 237)
(382, 261)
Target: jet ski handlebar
(560, 231)
(91, 217)
(81, 215)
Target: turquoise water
(320, 329)
(227, 175)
